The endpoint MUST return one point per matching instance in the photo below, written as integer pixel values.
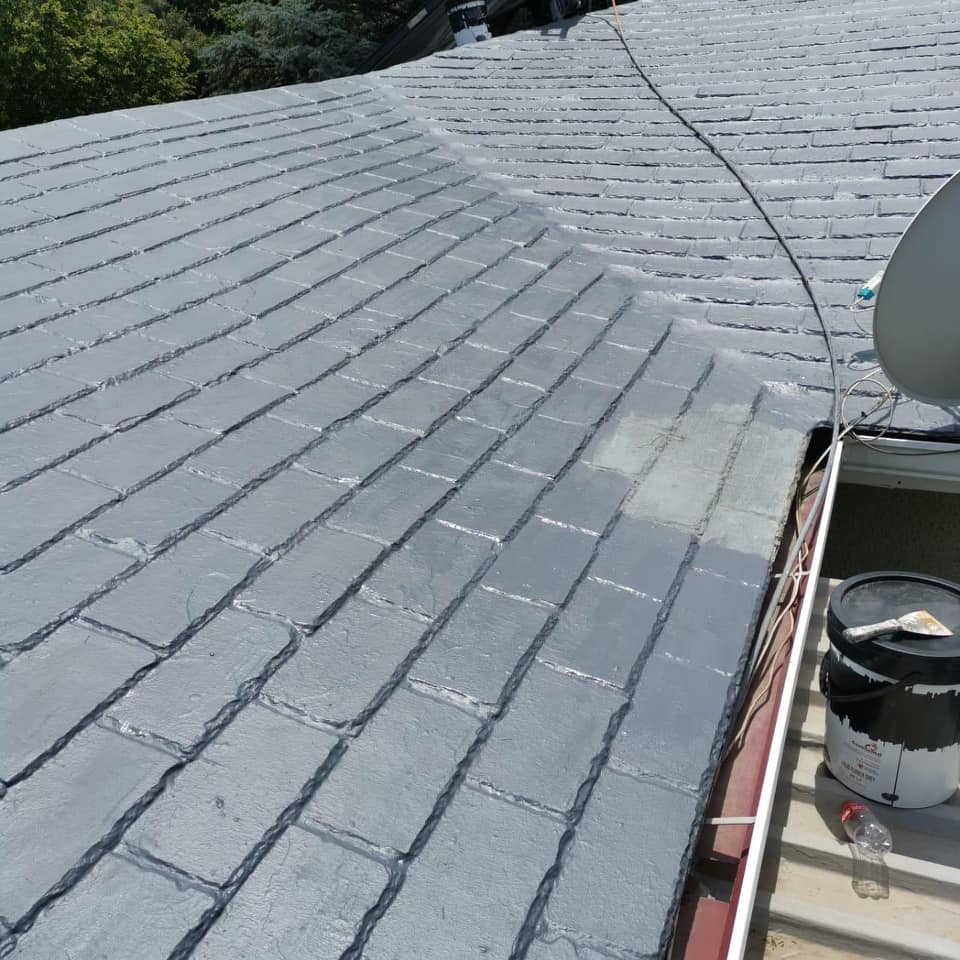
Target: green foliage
(376, 19)
(179, 25)
(201, 15)
(269, 43)
(60, 58)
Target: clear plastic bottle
(864, 830)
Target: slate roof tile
(166, 910)
(542, 749)
(182, 695)
(41, 443)
(79, 795)
(73, 670)
(42, 510)
(417, 744)
(478, 649)
(334, 887)
(309, 580)
(605, 837)
(42, 594)
(214, 811)
(484, 854)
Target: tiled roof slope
(843, 117)
(381, 535)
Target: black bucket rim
(891, 658)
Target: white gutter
(771, 774)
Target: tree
(180, 25)
(270, 43)
(376, 20)
(60, 58)
(200, 14)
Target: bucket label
(887, 739)
(888, 773)
(865, 765)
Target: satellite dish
(916, 321)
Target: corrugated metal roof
(808, 904)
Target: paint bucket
(893, 703)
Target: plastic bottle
(864, 830)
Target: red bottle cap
(850, 809)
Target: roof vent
(468, 21)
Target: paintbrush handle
(871, 630)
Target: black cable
(781, 240)
(738, 176)
(830, 465)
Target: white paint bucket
(893, 703)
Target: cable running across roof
(830, 465)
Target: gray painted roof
(391, 469)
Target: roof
(392, 469)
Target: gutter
(748, 877)
(714, 923)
